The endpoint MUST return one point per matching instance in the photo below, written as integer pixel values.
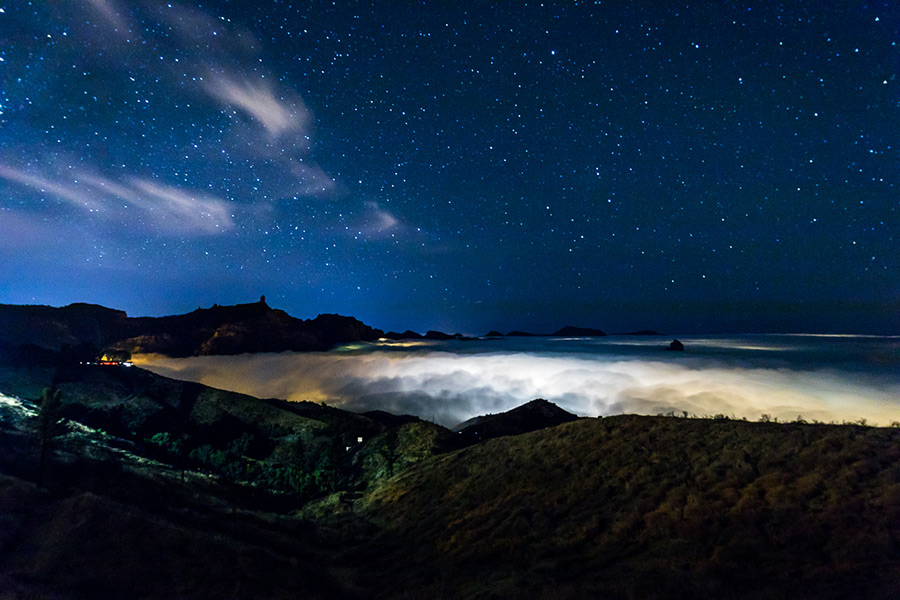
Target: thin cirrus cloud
(170, 209)
(225, 61)
(218, 62)
(311, 180)
(60, 189)
(379, 219)
(257, 99)
(377, 223)
(221, 62)
(107, 11)
(177, 208)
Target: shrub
(49, 427)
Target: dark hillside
(297, 450)
(53, 328)
(621, 507)
(111, 524)
(162, 488)
(177, 490)
(644, 507)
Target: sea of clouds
(825, 378)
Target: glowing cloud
(454, 386)
(380, 219)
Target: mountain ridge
(234, 329)
(252, 327)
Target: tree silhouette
(49, 427)
(174, 445)
(389, 449)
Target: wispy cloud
(108, 13)
(177, 208)
(60, 189)
(170, 209)
(279, 114)
(222, 63)
(195, 67)
(311, 179)
(380, 219)
(227, 68)
(377, 222)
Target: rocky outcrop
(242, 329)
(676, 346)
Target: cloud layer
(451, 387)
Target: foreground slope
(111, 523)
(650, 508)
(199, 493)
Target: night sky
(711, 167)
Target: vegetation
(49, 427)
(232, 496)
(652, 507)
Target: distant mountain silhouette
(88, 330)
(389, 419)
(567, 331)
(53, 328)
(641, 332)
(570, 331)
(237, 329)
(406, 335)
(537, 414)
(438, 335)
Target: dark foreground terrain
(156, 488)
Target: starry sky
(687, 167)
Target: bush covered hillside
(651, 507)
(115, 482)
